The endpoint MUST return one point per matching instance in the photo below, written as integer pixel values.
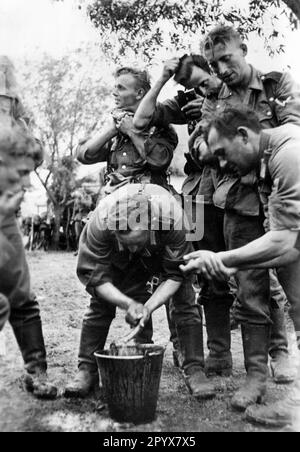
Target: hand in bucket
(137, 314)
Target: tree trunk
(57, 223)
(294, 5)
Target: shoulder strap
(270, 82)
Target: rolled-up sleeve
(167, 113)
(82, 153)
(284, 202)
(160, 148)
(94, 259)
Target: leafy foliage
(67, 100)
(144, 26)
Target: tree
(67, 100)
(143, 26)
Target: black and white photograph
(149, 219)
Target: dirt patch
(63, 300)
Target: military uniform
(279, 189)
(102, 259)
(202, 181)
(275, 98)
(24, 313)
(125, 164)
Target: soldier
(193, 71)
(20, 151)
(135, 233)
(131, 156)
(236, 138)
(276, 99)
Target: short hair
(222, 34)
(16, 142)
(142, 77)
(228, 121)
(185, 68)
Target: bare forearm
(267, 248)
(147, 107)
(114, 296)
(163, 293)
(285, 259)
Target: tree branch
(294, 5)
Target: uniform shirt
(6, 251)
(280, 170)
(200, 181)
(124, 159)
(102, 257)
(283, 108)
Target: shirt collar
(256, 83)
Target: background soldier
(117, 257)
(236, 138)
(20, 151)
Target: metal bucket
(130, 377)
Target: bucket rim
(154, 353)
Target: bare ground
(62, 301)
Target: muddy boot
(86, 380)
(282, 369)
(191, 345)
(31, 343)
(256, 345)
(280, 414)
(219, 360)
(92, 339)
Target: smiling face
(228, 62)
(126, 92)
(238, 154)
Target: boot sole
(267, 422)
(260, 400)
(222, 373)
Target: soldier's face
(126, 93)
(228, 62)
(201, 79)
(24, 166)
(135, 241)
(236, 155)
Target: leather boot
(256, 345)
(85, 381)
(92, 339)
(282, 369)
(191, 345)
(31, 343)
(279, 414)
(219, 360)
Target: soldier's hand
(126, 125)
(136, 313)
(193, 110)
(206, 263)
(170, 67)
